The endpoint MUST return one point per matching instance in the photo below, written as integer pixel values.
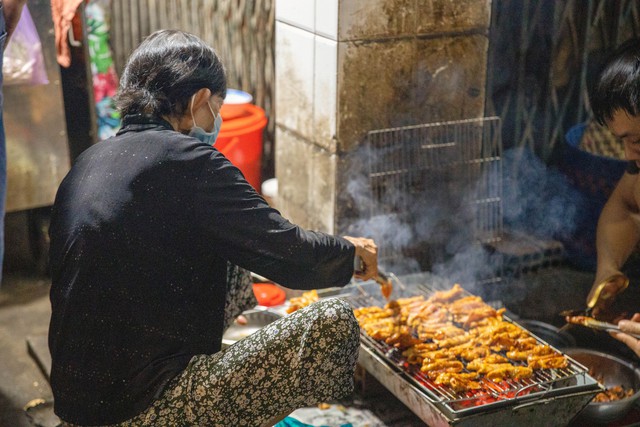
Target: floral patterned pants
(299, 360)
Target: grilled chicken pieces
(455, 339)
(458, 340)
(302, 301)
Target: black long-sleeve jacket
(141, 231)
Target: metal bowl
(256, 319)
(611, 371)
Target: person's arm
(616, 236)
(633, 327)
(236, 222)
(12, 10)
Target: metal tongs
(623, 282)
(386, 286)
(592, 323)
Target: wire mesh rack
(441, 180)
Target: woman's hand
(367, 251)
(633, 327)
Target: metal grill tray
(545, 384)
(256, 320)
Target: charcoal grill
(443, 183)
(551, 397)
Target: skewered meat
(579, 320)
(432, 369)
(549, 361)
(427, 314)
(402, 338)
(466, 304)
(476, 315)
(476, 352)
(481, 365)
(302, 301)
(458, 340)
(441, 332)
(434, 355)
(459, 382)
(523, 355)
(443, 297)
(526, 343)
(373, 312)
(508, 371)
(417, 353)
(502, 340)
(386, 288)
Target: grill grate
(492, 394)
(443, 181)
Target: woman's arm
(241, 227)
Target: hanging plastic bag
(23, 62)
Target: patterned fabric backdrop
(542, 56)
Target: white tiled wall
(299, 13)
(326, 19)
(325, 91)
(295, 78)
(306, 68)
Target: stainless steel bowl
(611, 371)
(256, 319)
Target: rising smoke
(538, 199)
(424, 221)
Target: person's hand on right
(367, 251)
(633, 327)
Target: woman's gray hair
(164, 72)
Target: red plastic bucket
(269, 294)
(240, 140)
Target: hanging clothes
(103, 70)
(62, 12)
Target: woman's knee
(336, 314)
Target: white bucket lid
(235, 96)
(270, 187)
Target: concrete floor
(24, 312)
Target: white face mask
(204, 136)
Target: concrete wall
(346, 67)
